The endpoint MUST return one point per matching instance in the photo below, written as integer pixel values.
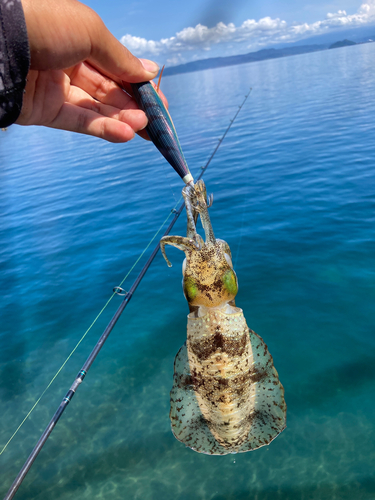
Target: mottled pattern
(206, 271)
(226, 396)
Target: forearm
(14, 60)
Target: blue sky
(174, 32)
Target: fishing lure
(226, 395)
(160, 127)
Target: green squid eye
(191, 289)
(230, 282)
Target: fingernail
(150, 66)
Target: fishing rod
(94, 353)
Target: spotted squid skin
(226, 395)
(220, 354)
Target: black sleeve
(14, 60)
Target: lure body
(160, 128)
(226, 396)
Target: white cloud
(252, 34)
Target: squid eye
(190, 289)
(229, 260)
(183, 267)
(230, 282)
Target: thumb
(116, 61)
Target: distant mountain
(312, 44)
(358, 35)
(343, 43)
(218, 62)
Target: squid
(226, 395)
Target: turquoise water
(293, 186)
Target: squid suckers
(226, 395)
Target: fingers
(64, 33)
(105, 90)
(85, 121)
(63, 37)
(91, 101)
(51, 100)
(83, 114)
(135, 118)
(100, 87)
(115, 60)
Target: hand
(77, 67)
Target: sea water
(293, 186)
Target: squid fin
(268, 415)
(188, 424)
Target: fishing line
(91, 358)
(235, 260)
(117, 288)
